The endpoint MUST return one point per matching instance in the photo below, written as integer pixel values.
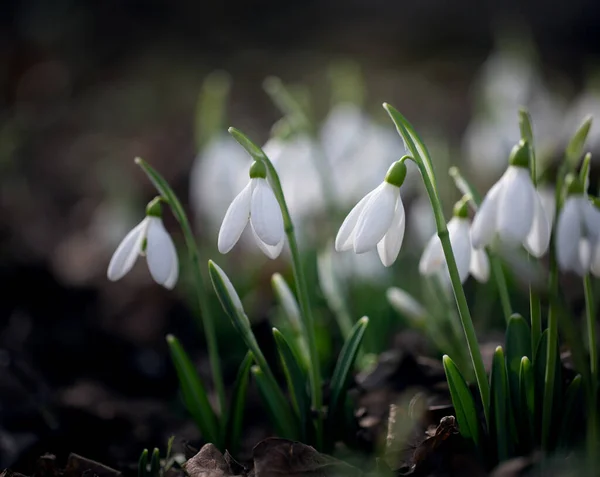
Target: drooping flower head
(378, 220)
(578, 232)
(150, 239)
(256, 204)
(513, 210)
(468, 260)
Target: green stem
(459, 293)
(591, 329)
(535, 313)
(301, 288)
(501, 284)
(206, 318)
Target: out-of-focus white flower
(256, 203)
(150, 239)
(547, 195)
(405, 303)
(577, 236)
(378, 220)
(513, 210)
(468, 260)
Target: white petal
(480, 265)
(585, 256)
(404, 303)
(235, 220)
(271, 251)
(516, 206)
(432, 259)
(484, 222)
(568, 235)
(538, 239)
(376, 218)
(595, 265)
(161, 254)
(265, 213)
(458, 229)
(127, 252)
(389, 247)
(591, 219)
(345, 236)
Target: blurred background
(87, 86)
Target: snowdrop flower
(513, 210)
(468, 260)
(256, 204)
(150, 239)
(578, 233)
(378, 220)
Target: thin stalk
(301, 288)
(592, 430)
(535, 313)
(459, 293)
(207, 319)
(475, 201)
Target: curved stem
(459, 293)
(207, 319)
(301, 288)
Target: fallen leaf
(209, 462)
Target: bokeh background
(87, 86)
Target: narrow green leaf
(193, 390)
(465, 187)
(577, 142)
(584, 172)
(463, 402)
(573, 401)
(210, 109)
(518, 344)
(527, 403)
(499, 406)
(244, 141)
(235, 417)
(525, 126)
(278, 415)
(296, 380)
(155, 463)
(345, 363)
(143, 464)
(168, 460)
(233, 307)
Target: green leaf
(527, 403)
(518, 344)
(584, 172)
(465, 187)
(235, 417)
(412, 141)
(573, 400)
(499, 406)
(463, 402)
(143, 464)
(296, 380)
(279, 416)
(577, 142)
(155, 463)
(255, 152)
(345, 363)
(194, 393)
(210, 109)
(233, 307)
(525, 126)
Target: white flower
(378, 220)
(148, 238)
(577, 236)
(467, 259)
(256, 204)
(513, 210)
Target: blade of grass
(155, 463)
(499, 406)
(194, 393)
(463, 402)
(518, 345)
(143, 464)
(527, 403)
(235, 417)
(573, 399)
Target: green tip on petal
(396, 173)
(258, 170)
(461, 208)
(574, 185)
(519, 156)
(154, 209)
